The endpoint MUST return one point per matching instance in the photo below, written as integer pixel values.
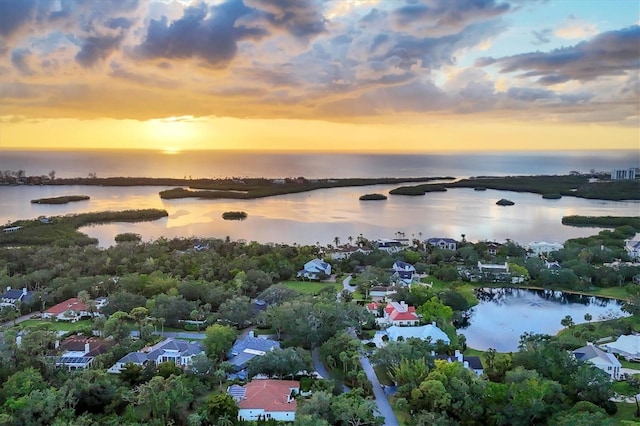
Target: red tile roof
(73, 304)
(269, 395)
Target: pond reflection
(504, 314)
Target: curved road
(384, 407)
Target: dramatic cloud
(313, 59)
(608, 54)
(209, 33)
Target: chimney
(24, 291)
(57, 344)
(8, 288)
(466, 364)
(433, 323)
(252, 333)
(459, 356)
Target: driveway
(346, 284)
(384, 407)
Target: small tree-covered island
(192, 331)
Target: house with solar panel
(179, 352)
(266, 399)
(245, 349)
(78, 352)
(403, 273)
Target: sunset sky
(385, 75)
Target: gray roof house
(604, 361)
(246, 348)
(315, 269)
(12, 296)
(403, 272)
(179, 352)
(443, 243)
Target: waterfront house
(627, 346)
(443, 243)
(179, 352)
(623, 174)
(389, 245)
(315, 269)
(426, 332)
(604, 361)
(633, 249)
(345, 252)
(543, 248)
(266, 399)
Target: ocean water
(322, 215)
(218, 164)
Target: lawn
(626, 414)
(58, 325)
(311, 287)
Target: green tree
(237, 311)
(567, 321)
(219, 405)
(433, 310)
(219, 340)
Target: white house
(345, 252)
(73, 310)
(179, 352)
(389, 245)
(493, 268)
(399, 314)
(543, 248)
(633, 249)
(78, 352)
(403, 272)
(266, 399)
(627, 346)
(443, 243)
(623, 174)
(604, 361)
(472, 363)
(315, 269)
(393, 333)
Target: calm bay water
(504, 314)
(318, 216)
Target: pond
(504, 314)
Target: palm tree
(225, 421)
(336, 240)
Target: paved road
(318, 365)
(21, 319)
(384, 407)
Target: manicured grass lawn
(311, 287)
(626, 414)
(631, 365)
(58, 325)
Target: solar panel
(237, 392)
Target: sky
(361, 75)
